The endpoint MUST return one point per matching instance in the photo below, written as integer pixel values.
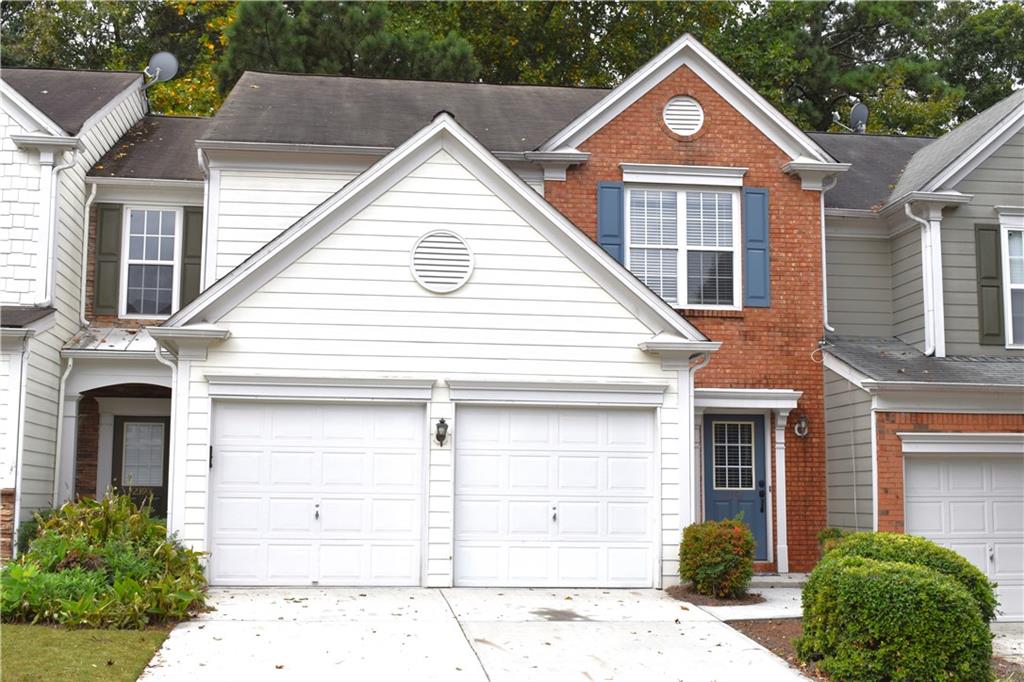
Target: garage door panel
(316, 493)
(925, 517)
(544, 507)
(967, 517)
(1008, 516)
(965, 477)
(1009, 560)
(1007, 477)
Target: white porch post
(689, 496)
(782, 551)
(68, 444)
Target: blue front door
(735, 478)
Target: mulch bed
(777, 636)
(684, 593)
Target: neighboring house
(924, 378)
(375, 256)
(55, 124)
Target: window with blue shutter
(756, 257)
(611, 219)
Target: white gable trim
(26, 114)
(687, 51)
(976, 154)
(443, 133)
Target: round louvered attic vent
(441, 261)
(683, 116)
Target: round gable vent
(683, 116)
(441, 261)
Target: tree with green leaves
(261, 38)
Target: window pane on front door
(143, 456)
(733, 450)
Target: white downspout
(825, 186)
(54, 226)
(158, 353)
(85, 254)
(926, 280)
(26, 351)
(60, 430)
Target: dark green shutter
(107, 279)
(990, 286)
(611, 219)
(757, 284)
(191, 255)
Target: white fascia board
(267, 387)
(147, 191)
(94, 354)
(978, 152)
(846, 371)
(975, 444)
(852, 213)
(937, 199)
(9, 334)
(556, 393)
(154, 183)
(58, 143)
(668, 174)
(444, 133)
(687, 51)
(571, 155)
(26, 113)
(746, 398)
(921, 396)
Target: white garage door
(554, 497)
(975, 506)
(316, 494)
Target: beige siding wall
(848, 454)
(907, 292)
(859, 286)
(350, 308)
(997, 181)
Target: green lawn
(41, 652)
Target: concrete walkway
(458, 634)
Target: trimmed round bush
(868, 620)
(102, 564)
(717, 557)
(911, 549)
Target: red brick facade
(890, 450)
(761, 347)
(6, 523)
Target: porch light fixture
(800, 428)
(441, 431)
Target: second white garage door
(322, 494)
(555, 497)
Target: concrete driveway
(458, 634)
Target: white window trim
(1009, 222)
(179, 217)
(681, 248)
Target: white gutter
(825, 186)
(58, 445)
(85, 254)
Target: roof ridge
(338, 76)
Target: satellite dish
(163, 66)
(859, 117)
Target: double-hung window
(684, 245)
(149, 271)
(1013, 285)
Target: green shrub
(717, 557)
(29, 530)
(868, 620)
(102, 564)
(919, 551)
(829, 537)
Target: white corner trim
(556, 393)
(258, 387)
(746, 398)
(977, 444)
(442, 133)
(658, 173)
(688, 51)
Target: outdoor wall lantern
(441, 432)
(800, 428)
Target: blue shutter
(756, 260)
(611, 219)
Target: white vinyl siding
(848, 460)
(907, 291)
(350, 308)
(859, 286)
(684, 245)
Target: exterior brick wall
(6, 523)
(761, 347)
(890, 450)
(90, 291)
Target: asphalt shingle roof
(893, 360)
(877, 161)
(68, 97)
(17, 316)
(160, 147)
(376, 112)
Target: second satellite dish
(859, 117)
(163, 66)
